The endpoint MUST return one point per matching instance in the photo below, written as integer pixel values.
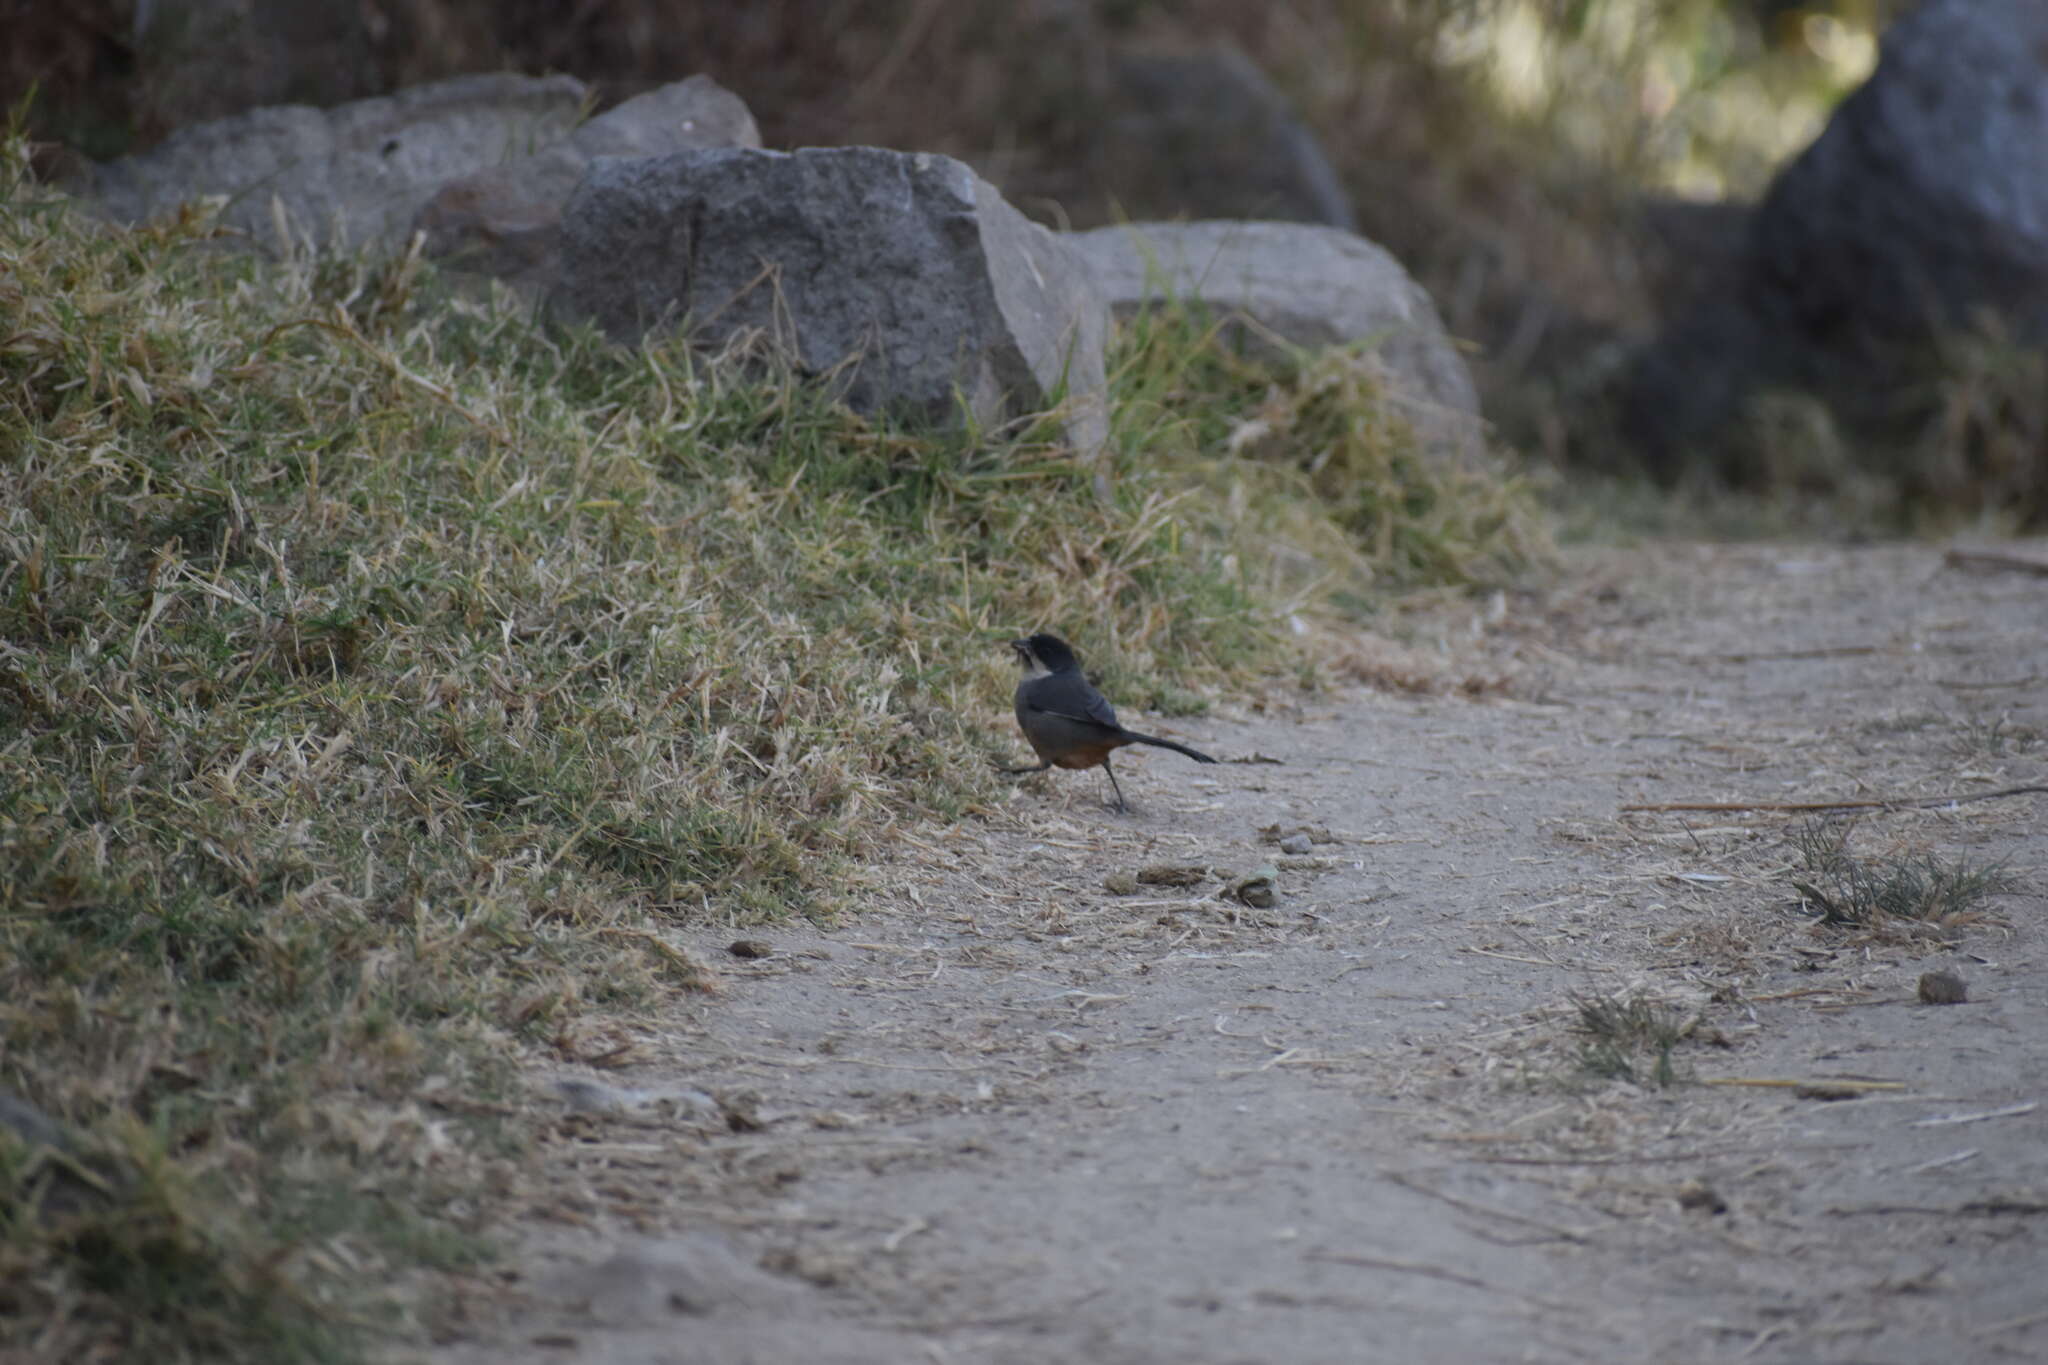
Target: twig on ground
(1993, 559)
(1942, 1162)
(1408, 1182)
(2010, 1324)
(1887, 803)
(1947, 1120)
(1651, 1159)
(1532, 961)
(1983, 1208)
(1434, 1272)
(1825, 1083)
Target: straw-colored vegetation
(381, 676)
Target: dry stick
(1961, 686)
(2010, 1324)
(1434, 1272)
(1408, 1182)
(1511, 957)
(1779, 1084)
(1763, 1339)
(1985, 1208)
(1896, 803)
(1995, 559)
(1809, 990)
(1774, 655)
(1658, 1159)
(1952, 1159)
(1946, 1120)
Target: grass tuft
(1992, 737)
(1628, 1037)
(1869, 893)
(1333, 499)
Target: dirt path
(1008, 1115)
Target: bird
(1069, 723)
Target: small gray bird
(1069, 723)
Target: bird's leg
(1013, 771)
(1121, 804)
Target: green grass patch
(1297, 447)
(1874, 892)
(1628, 1037)
(380, 675)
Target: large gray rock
(1922, 205)
(906, 269)
(1123, 130)
(1311, 286)
(356, 174)
(505, 220)
(1926, 196)
(1204, 134)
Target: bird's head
(1043, 653)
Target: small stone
(590, 1097)
(742, 1111)
(1697, 1196)
(1258, 890)
(1120, 883)
(1943, 988)
(750, 948)
(1297, 844)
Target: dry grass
(380, 678)
(1628, 1037)
(1874, 892)
(1298, 445)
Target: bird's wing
(1083, 705)
(1102, 713)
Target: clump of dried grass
(1628, 1036)
(1878, 892)
(1336, 499)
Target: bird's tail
(1155, 740)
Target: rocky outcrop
(903, 276)
(356, 174)
(1309, 286)
(505, 220)
(1204, 134)
(1922, 207)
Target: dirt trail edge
(1007, 1114)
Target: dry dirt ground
(1004, 1114)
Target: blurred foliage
(1701, 97)
(1499, 147)
(1562, 175)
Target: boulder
(903, 275)
(1112, 130)
(1204, 134)
(505, 220)
(1309, 286)
(1926, 197)
(356, 174)
(1921, 207)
